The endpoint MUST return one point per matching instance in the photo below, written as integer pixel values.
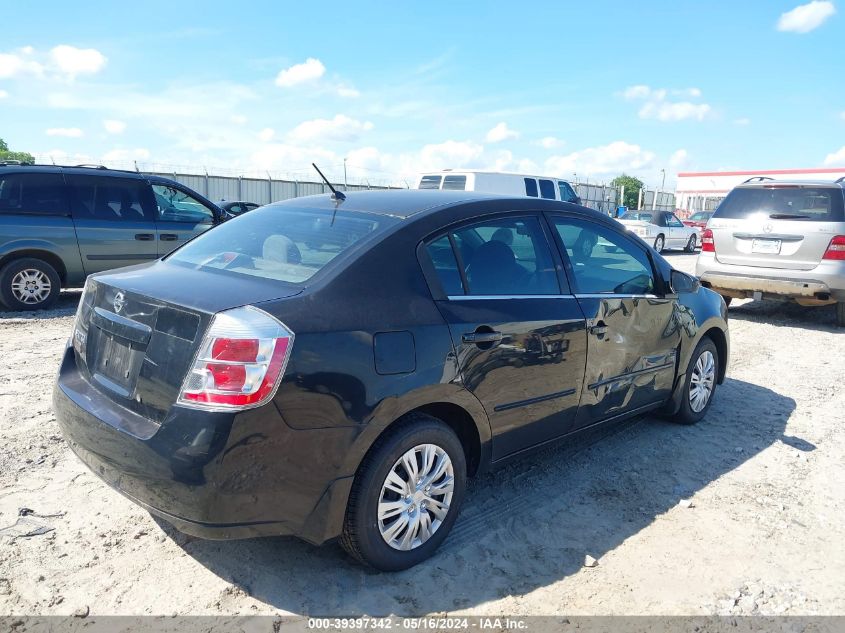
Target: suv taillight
(240, 362)
(707, 243)
(836, 249)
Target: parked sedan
(329, 368)
(698, 221)
(662, 229)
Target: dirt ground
(743, 513)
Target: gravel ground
(743, 513)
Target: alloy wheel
(31, 286)
(701, 381)
(415, 497)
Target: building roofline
(763, 172)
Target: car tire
(366, 533)
(727, 301)
(840, 314)
(659, 243)
(702, 373)
(29, 284)
(693, 242)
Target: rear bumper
(212, 475)
(821, 285)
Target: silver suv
(778, 239)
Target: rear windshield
(784, 202)
(284, 243)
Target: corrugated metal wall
(259, 191)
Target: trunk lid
(138, 330)
(777, 226)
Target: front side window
(567, 194)
(547, 189)
(604, 261)
(455, 183)
(175, 205)
(673, 220)
(500, 257)
(531, 187)
(284, 243)
(41, 194)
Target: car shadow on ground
(524, 526)
(65, 306)
(786, 314)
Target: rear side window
(455, 183)
(547, 189)
(283, 243)
(784, 202)
(430, 182)
(531, 187)
(500, 257)
(39, 194)
(110, 199)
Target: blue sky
(555, 88)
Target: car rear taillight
(707, 243)
(240, 361)
(836, 249)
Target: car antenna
(337, 195)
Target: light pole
(345, 183)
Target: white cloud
(678, 159)
(118, 155)
(68, 132)
(340, 128)
(19, 63)
(657, 106)
(742, 121)
(501, 132)
(449, 154)
(836, 158)
(266, 134)
(613, 158)
(74, 61)
(806, 17)
(310, 70)
(113, 126)
(550, 142)
(238, 119)
(4, 94)
(348, 92)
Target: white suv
(778, 239)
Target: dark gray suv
(60, 224)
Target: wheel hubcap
(701, 382)
(658, 245)
(30, 286)
(415, 497)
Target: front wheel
(659, 243)
(693, 242)
(29, 284)
(840, 314)
(406, 495)
(699, 383)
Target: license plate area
(766, 247)
(118, 362)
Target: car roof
(458, 172)
(400, 203)
(88, 170)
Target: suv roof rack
(92, 166)
(840, 179)
(6, 163)
(757, 179)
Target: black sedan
(328, 368)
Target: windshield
(701, 216)
(282, 242)
(784, 202)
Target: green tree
(632, 189)
(5, 154)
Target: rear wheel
(727, 300)
(406, 495)
(659, 243)
(693, 242)
(29, 284)
(699, 383)
(840, 314)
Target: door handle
(168, 237)
(599, 329)
(479, 338)
(144, 237)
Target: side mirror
(681, 282)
